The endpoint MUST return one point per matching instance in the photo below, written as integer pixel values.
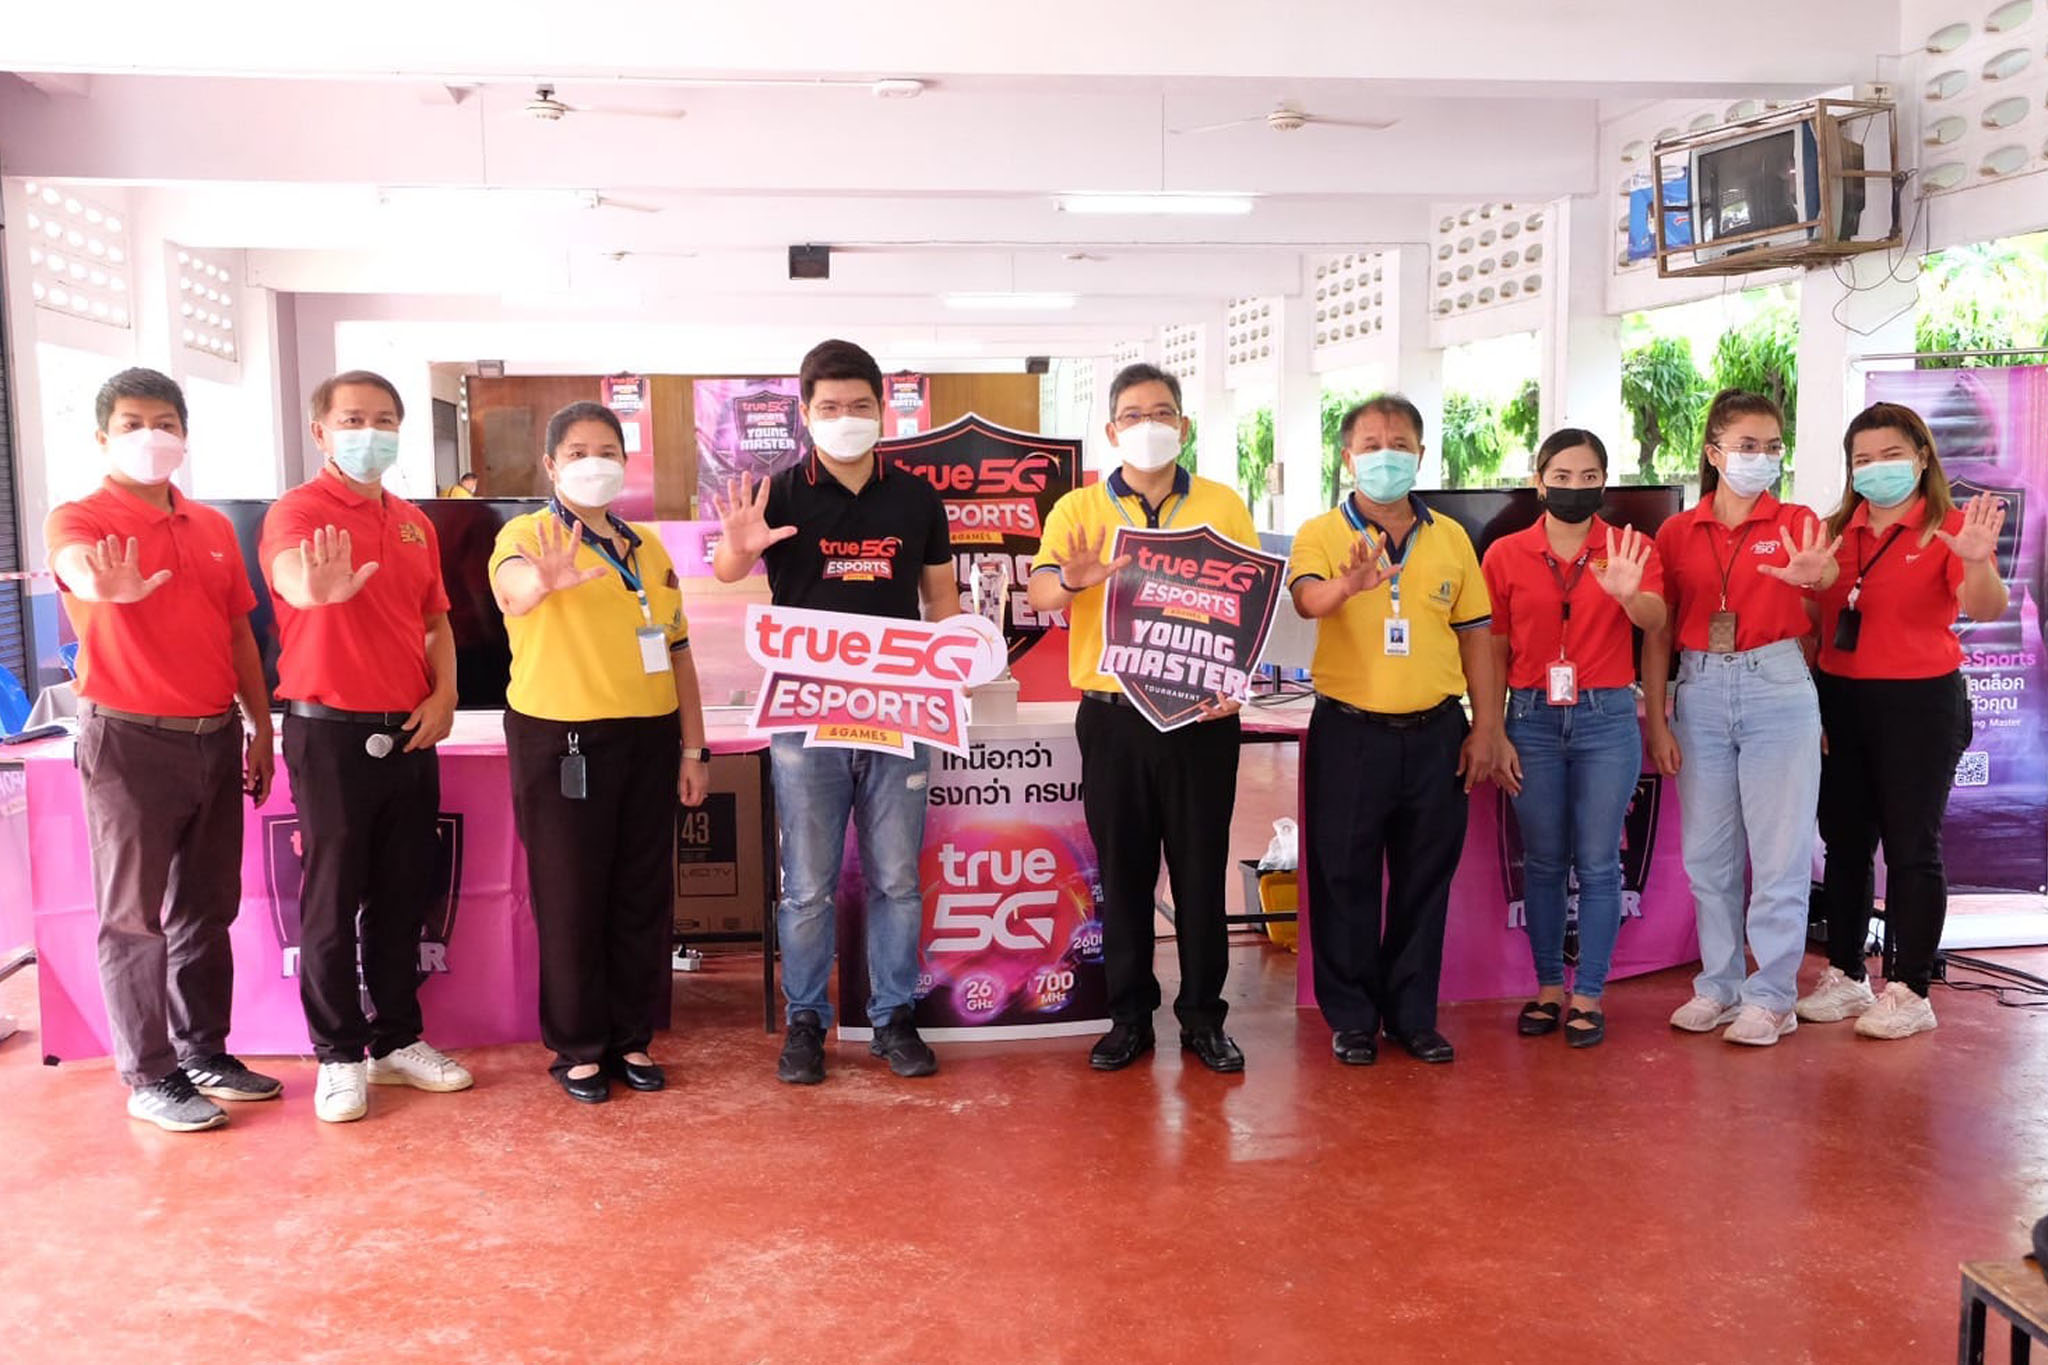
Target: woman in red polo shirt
(1565, 594)
(1894, 707)
(1744, 744)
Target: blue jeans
(1579, 770)
(1748, 729)
(816, 791)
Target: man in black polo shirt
(839, 532)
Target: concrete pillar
(1871, 313)
(1419, 365)
(1208, 401)
(1297, 419)
(1579, 372)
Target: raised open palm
(1812, 554)
(327, 562)
(1977, 541)
(115, 573)
(1081, 563)
(554, 559)
(1628, 554)
(743, 516)
(1367, 566)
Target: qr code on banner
(1974, 770)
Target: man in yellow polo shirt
(1143, 788)
(1401, 634)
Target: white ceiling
(285, 130)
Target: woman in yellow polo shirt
(605, 729)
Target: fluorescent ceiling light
(1191, 204)
(1012, 302)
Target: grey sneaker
(174, 1106)
(223, 1077)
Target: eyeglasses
(1777, 450)
(826, 409)
(1130, 417)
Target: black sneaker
(174, 1106)
(803, 1051)
(898, 1041)
(222, 1077)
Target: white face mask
(1149, 445)
(147, 455)
(846, 439)
(1749, 475)
(592, 481)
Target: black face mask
(1573, 505)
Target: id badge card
(653, 649)
(1564, 683)
(1721, 633)
(1396, 644)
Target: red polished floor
(1661, 1198)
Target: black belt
(385, 720)
(1393, 720)
(1109, 699)
(184, 725)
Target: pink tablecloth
(479, 955)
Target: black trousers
(602, 873)
(1893, 745)
(1142, 789)
(1383, 805)
(370, 851)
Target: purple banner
(1991, 430)
(747, 426)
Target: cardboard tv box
(722, 853)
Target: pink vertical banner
(628, 396)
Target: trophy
(988, 596)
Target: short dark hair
(1386, 405)
(837, 359)
(582, 411)
(138, 383)
(1569, 438)
(322, 401)
(1141, 373)
(1728, 406)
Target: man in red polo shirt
(158, 595)
(367, 666)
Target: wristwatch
(701, 755)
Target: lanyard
(1863, 569)
(1565, 587)
(1360, 525)
(1152, 521)
(1734, 554)
(629, 574)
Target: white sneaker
(341, 1095)
(1900, 1012)
(423, 1067)
(1756, 1026)
(1702, 1014)
(1836, 996)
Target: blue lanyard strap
(1361, 525)
(1182, 487)
(628, 573)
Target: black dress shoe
(1427, 1045)
(592, 1089)
(1356, 1046)
(1213, 1048)
(897, 1040)
(803, 1052)
(1123, 1044)
(637, 1076)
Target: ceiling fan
(545, 108)
(1287, 118)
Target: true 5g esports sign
(869, 682)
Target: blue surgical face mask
(363, 453)
(1887, 483)
(1384, 475)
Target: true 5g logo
(973, 921)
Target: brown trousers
(164, 813)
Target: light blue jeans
(1748, 727)
(1579, 770)
(816, 791)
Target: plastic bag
(1284, 852)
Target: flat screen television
(466, 528)
(1770, 182)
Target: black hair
(1141, 373)
(1567, 438)
(838, 360)
(582, 411)
(322, 401)
(1386, 405)
(139, 383)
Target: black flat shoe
(1589, 1036)
(592, 1089)
(1356, 1047)
(1123, 1044)
(1538, 1018)
(639, 1077)
(1427, 1045)
(1214, 1049)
